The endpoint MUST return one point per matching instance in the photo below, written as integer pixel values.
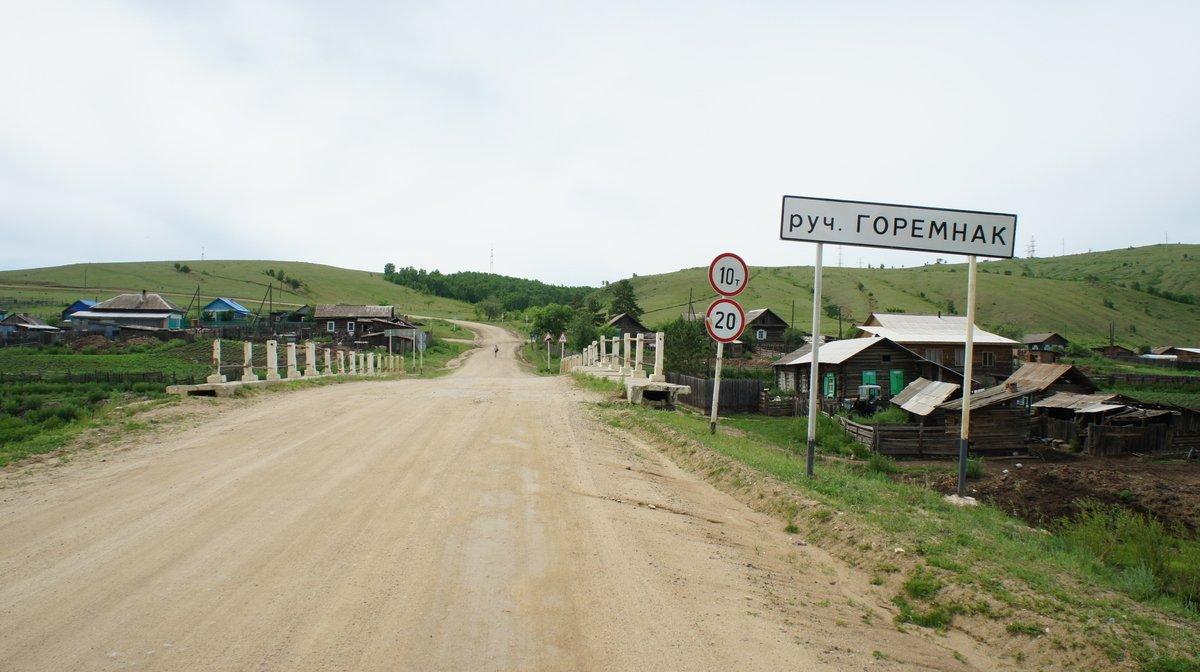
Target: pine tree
(624, 300)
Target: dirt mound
(1044, 491)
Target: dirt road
(480, 521)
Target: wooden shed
(625, 323)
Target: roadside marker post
(903, 227)
(562, 345)
(725, 320)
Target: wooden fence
(902, 440)
(1117, 440)
(110, 377)
(1110, 379)
(737, 395)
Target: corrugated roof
(335, 310)
(93, 315)
(904, 328)
(1101, 408)
(1039, 338)
(923, 395)
(237, 307)
(833, 352)
(1073, 400)
(137, 301)
(1031, 377)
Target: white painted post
(638, 370)
(272, 360)
(716, 394)
(370, 363)
(216, 376)
(626, 361)
(964, 435)
(328, 363)
(248, 362)
(341, 362)
(815, 369)
(292, 371)
(603, 357)
(353, 363)
(310, 359)
(660, 346)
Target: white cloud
(587, 143)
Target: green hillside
(47, 290)
(1064, 294)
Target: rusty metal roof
(1030, 378)
(1074, 400)
(923, 395)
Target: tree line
(499, 291)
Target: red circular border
(714, 263)
(708, 319)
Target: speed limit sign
(725, 320)
(728, 274)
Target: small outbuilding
(1114, 351)
(1181, 354)
(625, 323)
(78, 305)
(222, 310)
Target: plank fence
(737, 395)
(109, 377)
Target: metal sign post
(904, 227)
(814, 370)
(725, 321)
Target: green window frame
(830, 385)
(868, 378)
(896, 380)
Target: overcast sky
(587, 142)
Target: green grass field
(244, 281)
(1063, 294)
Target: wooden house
(625, 323)
(342, 320)
(142, 309)
(942, 339)
(78, 305)
(1181, 354)
(224, 311)
(1043, 348)
(22, 323)
(845, 365)
(1114, 351)
(766, 328)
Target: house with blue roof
(80, 304)
(224, 311)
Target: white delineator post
(964, 435)
(310, 359)
(814, 370)
(716, 394)
(638, 371)
(626, 364)
(603, 357)
(353, 363)
(341, 356)
(216, 376)
(248, 362)
(272, 360)
(292, 371)
(328, 362)
(660, 346)
(370, 363)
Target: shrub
(922, 584)
(881, 464)
(974, 467)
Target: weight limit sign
(728, 274)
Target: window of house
(761, 334)
(868, 378)
(887, 358)
(350, 327)
(896, 381)
(331, 326)
(960, 356)
(989, 359)
(830, 385)
(934, 355)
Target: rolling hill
(47, 290)
(1076, 295)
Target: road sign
(728, 274)
(562, 338)
(421, 341)
(547, 338)
(903, 227)
(725, 320)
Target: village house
(138, 309)
(766, 328)
(845, 365)
(342, 320)
(78, 305)
(302, 314)
(1181, 354)
(1042, 348)
(942, 339)
(18, 323)
(1114, 351)
(625, 323)
(224, 311)
(374, 332)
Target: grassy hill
(1076, 295)
(46, 291)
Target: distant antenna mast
(1031, 249)
(492, 260)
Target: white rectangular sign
(904, 227)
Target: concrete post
(292, 371)
(660, 346)
(272, 360)
(626, 361)
(353, 363)
(341, 362)
(310, 359)
(603, 357)
(370, 363)
(638, 370)
(216, 376)
(248, 362)
(328, 363)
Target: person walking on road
(495, 351)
